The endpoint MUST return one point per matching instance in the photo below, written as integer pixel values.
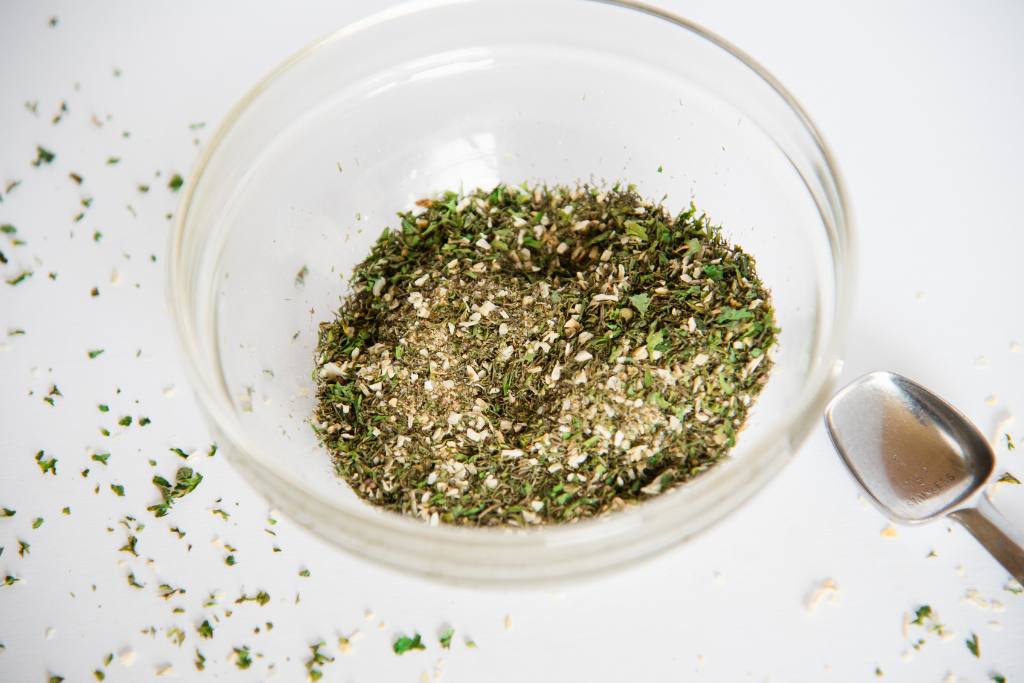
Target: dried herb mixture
(537, 355)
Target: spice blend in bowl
(538, 355)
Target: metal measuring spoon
(918, 459)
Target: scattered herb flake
(973, 645)
(261, 598)
(19, 278)
(1008, 478)
(46, 465)
(446, 638)
(243, 659)
(129, 546)
(317, 659)
(43, 156)
(185, 481)
(205, 629)
(175, 182)
(95, 353)
(118, 490)
(405, 644)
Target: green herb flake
(8, 229)
(200, 660)
(205, 629)
(23, 548)
(133, 582)
(640, 302)
(143, 421)
(230, 561)
(973, 645)
(185, 481)
(714, 272)
(43, 156)
(261, 598)
(730, 314)
(316, 660)
(997, 677)
(180, 453)
(175, 182)
(118, 490)
(95, 353)
(405, 644)
(46, 465)
(242, 656)
(37, 522)
(446, 638)
(7, 512)
(19, 278)
(304, 573)
(1007, 478)
(129, 546)
(103, 408)
(213, 450)
(300, 277)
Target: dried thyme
(539, 355)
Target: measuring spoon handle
(1001, 539)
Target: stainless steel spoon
(918, 459)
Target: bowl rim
(791, 429)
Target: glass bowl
(307, 170)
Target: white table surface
(922, 103)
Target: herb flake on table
(973, 646)
(185, 481)
(404, 644)
(316, 660)
(446, 638)
(43, 156)
(205, 630)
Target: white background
(922, 103)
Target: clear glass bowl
(315, 161)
